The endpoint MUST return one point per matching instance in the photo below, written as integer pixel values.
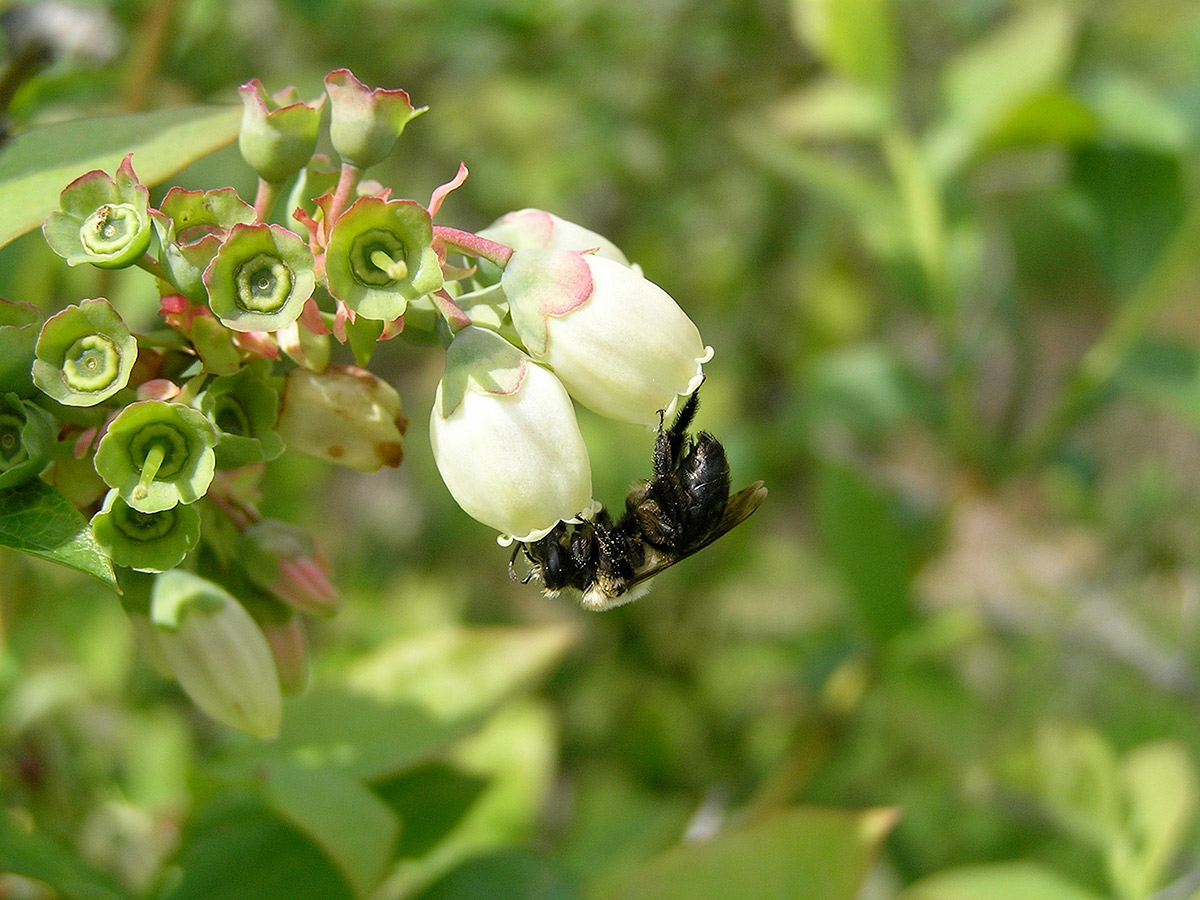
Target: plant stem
(347, 182)
(474, 245)
(451, 312)
(149, 264)
(264, 200)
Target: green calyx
(26, 440)
(244, 409)
(84, 354)
(147, 542)
(260, 279)
(380, 257)
(482, 361)
(103, 221)
(278, 133)
(365, 122)
(157, 454)
(20, 324)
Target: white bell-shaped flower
(505, 438)
(527, 229)
(620, 344)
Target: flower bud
(26, 439)
(85, 354)
(102, 221)
(379, 257)
(289, 647)
(147, 542)
(157, 454)
(243, 407)
(505, 438)
(217, 652)
(620, 344)
(285, 560)
(191, 226)
(345, 415)
(365, 123)
(19, 327)
(278, 134)
(260, 279)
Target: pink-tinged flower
(103, 221)
(505, 438)
(620, 344)
(536, 229)
(286, 561)
(365, 123)
(279, 133)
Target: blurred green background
(948, 255)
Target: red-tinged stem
(264, 200)
(455, 317)
(347, 182)
(474, 245)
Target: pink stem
(474, 245)
(455, 317)
(347, 182)
(264, 200)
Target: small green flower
(85, 354)
(260, 278)
(191, 226)
(19, 327)
(102, 221)
(26, 439)
(379, 257)
(157, 454)
(217, 651)
(365, 123)
(147, 542)
(344, 415)
(279, 133)
(244, 408)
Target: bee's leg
(669, 444)
(512, 572)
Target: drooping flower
(344, 415)
(102, 220)
(380, 257)
(157, 454)
(620, 344)
(279, 133)
(536, 229)
(285, 560)
(260, 279)
(217, 652)
(365, 123)
(505, 438)
(85, 354)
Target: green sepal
(243, 408)
(483, 361)
(85, 354)
(20, 324)
(260, 279)
(26, 440)
(103, 221)
(146, 542)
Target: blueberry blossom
(278, 133)
(260, 279)
(103, 221)
(85, 354)
(505, 438)
(365, 123)
(536, 229)
(217, 652)
(620, 344)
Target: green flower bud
(19, 327)
(191, 226)
(244, 408)
(102, 221)
(505, 438)
(344, 415)
(26, 439)
(217, 651)
(260, 278)
(285, 560)
(379, 257)
(365, 123)
(85, 354)
(279, 134)
(147, 542)
(157, 454)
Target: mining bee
(683, 508)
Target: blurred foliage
(948, 254)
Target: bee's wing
(739, 508)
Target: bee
(681, 509)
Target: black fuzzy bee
(683, 508)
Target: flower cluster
(257, 299)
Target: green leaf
(239, 850)
(855, 37)
(1161, 791)
(354, 827)
(1130, 113)
(426, 823)
(39, 519)
(997, 881)
(831, 109)
(34, 855)
(873, 542)
(37, 164)
(512, 873)
(801, 854)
